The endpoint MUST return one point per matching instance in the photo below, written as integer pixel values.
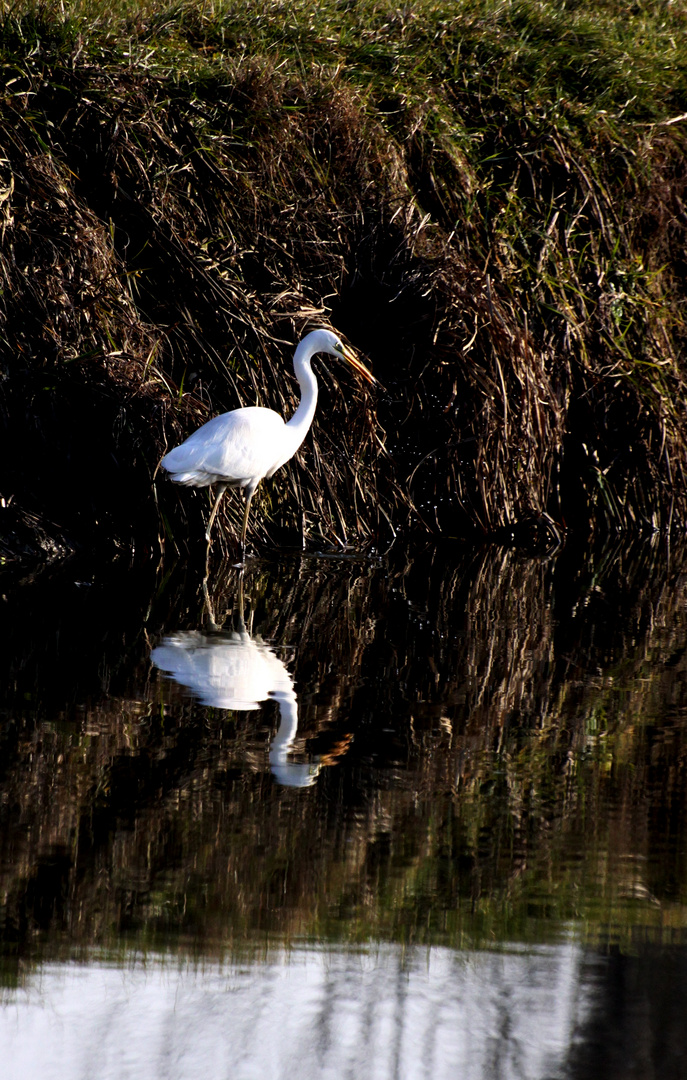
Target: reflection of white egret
(232, 670)
(239, 448)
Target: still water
(334, 817)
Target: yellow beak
(357, 365)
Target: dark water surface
(425, 816)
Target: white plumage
(233, 448)
(239, 448)
(234, 671)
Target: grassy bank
(487, 199)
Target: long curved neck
(300, 422)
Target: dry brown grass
(515, 275)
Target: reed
(487, 198)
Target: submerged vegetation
(487, 198)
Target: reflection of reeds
(505, 739)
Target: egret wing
(236, 448)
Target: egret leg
(209, 605)
(242, 622)
(249, 496)
(220, 492)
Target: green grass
(605, 57)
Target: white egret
(237, 449)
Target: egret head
(327, 341)
(350, 357)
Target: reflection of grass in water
(533, 779)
